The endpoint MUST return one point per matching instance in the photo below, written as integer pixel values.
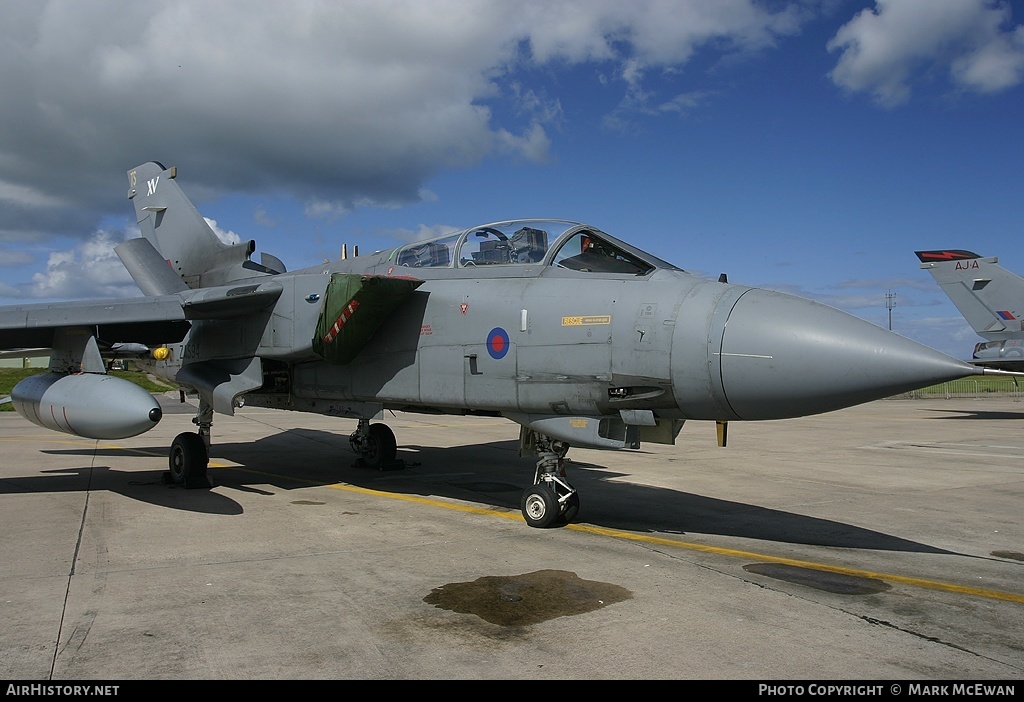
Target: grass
(9, 377)
(977, 384)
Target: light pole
(890, 302)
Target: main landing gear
(376, 446)
(552, 501)
(190, 452)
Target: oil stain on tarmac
(1011, 555)
(530, 598)
(837, 583)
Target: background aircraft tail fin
(182, 237)
(989, 297)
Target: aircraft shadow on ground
(980, 414)
(491, 474)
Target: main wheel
(540, 506)
(188, 460)
(380, 448)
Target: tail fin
(174, 227)
(989, 297)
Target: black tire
(540, 507)
(381, 447)
(572, 509)
(188, 459)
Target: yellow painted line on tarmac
(623, 535)
(657, 540)
(425, 501)
(810, 565)
(690, 546)
(47, 440)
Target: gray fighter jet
(989, 297)
(577, 336)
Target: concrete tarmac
(882, 542)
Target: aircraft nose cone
(784, 356)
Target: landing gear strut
(190, 452)
(552, 501)
(376, 446)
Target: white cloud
(27, 195)
(882, 51)
(993, 66)
(532, 146)
(91, 269)
(227, 237)
(658, 32)
(685, 102)
(340, 104)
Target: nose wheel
(551, 501)
(541, 508)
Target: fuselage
(565, 321)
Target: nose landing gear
(552, 501)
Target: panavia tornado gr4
(573, 334)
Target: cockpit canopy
(556, 243)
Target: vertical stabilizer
(989, 297)
(174, 227)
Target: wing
(144, 320)
(158, 319)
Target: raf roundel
(497, 343)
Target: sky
(807, 146)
